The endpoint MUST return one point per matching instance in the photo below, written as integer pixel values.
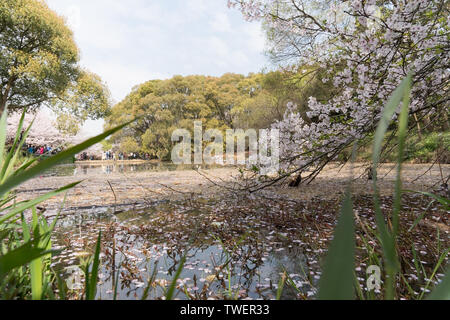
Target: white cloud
(122, 78)
(221, 23)
(255, 37)
(130, 42)
(219, 47)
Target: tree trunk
(445, 122)
(419, 130)
(4, 95)
(427, 123)
(2, 106)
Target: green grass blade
(281, 284)
(336, 282)
(150, 281)
(402, 133)
(25, 229)
(116, 284)
(444, 201)
(24, 166)
(36, 266)
(61, 286)
(16, 152)
(91, 290)
(20, 257)
(386, 119)
(28, 204)
(171, 290)
(436, 268)
(442, 291)
(422, 215)
(3, 130)
(402, 93)
(7, 161)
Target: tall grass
(336, 281)
(26, 248)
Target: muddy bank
(145, 188)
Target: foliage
(26, 250)
(432, 145)
(67, 124)
(42, 133)
(366, 48)
(230, 101)
(129, 145)
(163, 105)
(340, 259)
(337, 279)
(39, 63)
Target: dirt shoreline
(149, 187)
(102, 162)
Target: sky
(128, 42)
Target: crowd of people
(111, 155)
(133, 156)
(41, 150)
(84, 156)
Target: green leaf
(3, 130)
(16, 151)
(7, 160)
(28, 204)
(436, 268)
(20, 257)
(402, 133)
(442, 291)
(91, 285)
(336, 282)
(281, 284)
(36, 266)
(402, 93)
(171, 290)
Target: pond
(80, 169)
(145, 248)
(237, 245)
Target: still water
(247, 269)
(234, 256)
(80, 169)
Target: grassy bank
(424, 149)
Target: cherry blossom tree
(366, 47)
(43, 132)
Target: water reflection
(80, 169)
(144, 252)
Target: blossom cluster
(366, 47)
(42, 131)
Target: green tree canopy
(39, 64)
(164, 105)
(230, 101)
